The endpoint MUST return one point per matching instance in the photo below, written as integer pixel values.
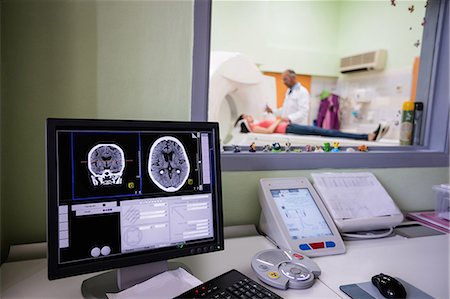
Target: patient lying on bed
(248, 124)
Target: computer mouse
(388, 286)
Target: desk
(28, 279)
(423, 262)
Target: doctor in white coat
(295, 107)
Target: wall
(144, 59)
(84, 60)
(279, 34)
(311, 36)
(369, 25)
(409, 187)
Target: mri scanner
(237, 86)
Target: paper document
(354, 195)
(165, 285)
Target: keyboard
(230, 285)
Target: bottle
(406, 128)
(418, 112)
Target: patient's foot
(383, 131)
(373, 136)
(379, 133)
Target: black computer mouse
(388, 286)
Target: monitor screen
(300, 214)
(122, 193)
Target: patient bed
(238, 86)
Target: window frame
(432, 88)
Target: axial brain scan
(106, 163)
(168, 164)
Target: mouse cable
(369, 235)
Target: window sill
(245, 161)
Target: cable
(369, 235)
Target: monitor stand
(118, 280)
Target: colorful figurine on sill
(309, 148)
(267, 148)
(318, 149)
(236, 149)
(327, 147)
(335, 147)
(350, 150)
(363, 148)
(252, 147)
(288, 147)
(276, 147)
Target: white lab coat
(295, 105)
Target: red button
(298, 256)
(317, 245)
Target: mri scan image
(106, 163)
(168, 164)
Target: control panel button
(274, 275)
(263, 267)
(330, 244)
(317, 245)
(304, 247)
(298, 256)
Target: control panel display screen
(300, 213)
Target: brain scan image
(106, 163)
(168, 164)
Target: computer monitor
(125, 193)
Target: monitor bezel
(56, 270)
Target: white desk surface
(423, 262)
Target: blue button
(304, 247)
(329, 244)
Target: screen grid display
(121, 192)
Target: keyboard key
(236, 293)
(236, 284)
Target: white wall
(311, 36)
(279, 34)
(370, 25)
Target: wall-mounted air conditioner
(370, 61)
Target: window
(431, 86)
